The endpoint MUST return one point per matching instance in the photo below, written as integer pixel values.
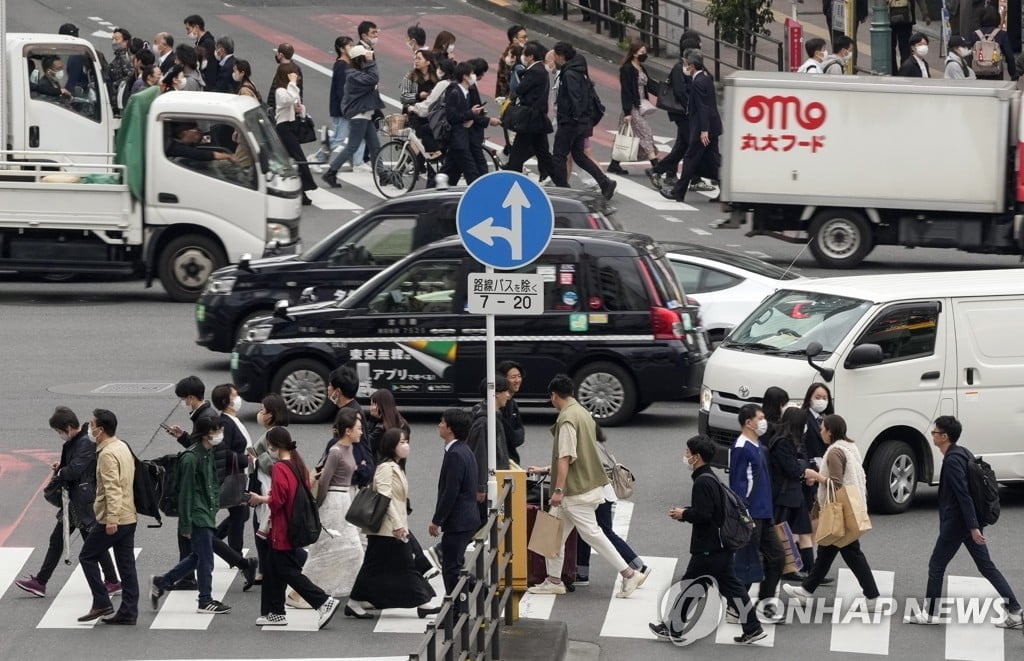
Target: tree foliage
(739, 18)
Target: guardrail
(652, 21)
(486, 601)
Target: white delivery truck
(895, 358)
(153, 205)
(848, 163)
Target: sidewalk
(584, 36)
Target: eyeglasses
(936, 432)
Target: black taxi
(614, 318)
(352, 254)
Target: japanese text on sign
(512, 293)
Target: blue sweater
(337, 87)
(750, 477)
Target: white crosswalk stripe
(628, 618)
(179, 608)
(972, 642)
(405, 620)
(74, 600)
(12, 559)
(855, 635)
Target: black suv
(614, 318)
(354, 253)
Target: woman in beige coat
(388, 577)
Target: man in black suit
(915, 66)
(532, 132)
(163, 48)
(225, 54)
(959, 525)
(461, 115)
(702, 157)
(196, 27)
(456, 514)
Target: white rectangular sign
(506, 293)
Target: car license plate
(234, 360)
(200, 312)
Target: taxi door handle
(442, 331)
(474, 331)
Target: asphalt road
(62, 341)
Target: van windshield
(786, 322)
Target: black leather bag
(232, 489)
(305, 129)
(667, 99)
(51, 492)
(519, 118)
(368, 509)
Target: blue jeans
(341, 127)
(604, 522)
(945, 549)
(96, 546)
(200, 560)
(361, 133)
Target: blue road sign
(505, 220)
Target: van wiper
(800, 352)
(766, 348)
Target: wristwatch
(558, 490)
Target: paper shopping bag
(855, 516)
(546, 539)
(831, 526)
(793, 561)
(626, 145)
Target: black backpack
(304, 523)
(981, 482)
(596, 107)
(169, 482)
(146, 488)
(737, 525)
(437, 118)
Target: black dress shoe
(826, 581)
(119, 618)
(96, 613)
(423, 612)
(364, 616)
(249, 573)
(669, 195)
(615, 168)
(797, 576)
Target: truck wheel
(607, 391)
(186, 263)
(892, 478)
(302, 384)
(840, 238)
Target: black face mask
(641, 58)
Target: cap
(287, 50)
(69, 29)
(957, 42)
(357, 51)
(206, 424)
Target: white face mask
(274, 453)
(202, 64)
(522, 58)
(472, 79)
(373, 41)
(237, 77)
(689, 465)
(63, 435)
(179, 83)
(922, 50)
(184, 405)
(819, 405)
(236, 403)
(60, 76)
(451, 48)
(216, 439)
(762, 427)
(94, 433)
(963, 51)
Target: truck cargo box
(868, 142)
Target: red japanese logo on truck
(781, 115)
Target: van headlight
(220, 285)
(258, 334)
(278, 232)
(705, 399)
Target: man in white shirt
(815, 56)
(163, 48)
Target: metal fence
(485, 601)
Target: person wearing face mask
(956, 60)
(444, 46)
(462, 115)
(120, 66)
(224, 52)
(273, 412)
(750, 479)
(230, 458)
(842, 52)
(53, 82)
(76, 472)
(707, 555)
(502, 88)
(843, 468)
(702, 158)
(791, 469)
(477, 439)
(196, 28)
(198, 501)
(369, 34)
(634, 86)
(902, 17)
(817, 403)
(480, 124)
(416, 38)
(680, 83)
(360, 103)
(343, 384)
(916, 66)
(816, 52)
(242, 75)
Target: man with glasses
(959, 525)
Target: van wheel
(607, 391)
(892, 478)
(302, 384)
(840, 238)
(185, 265)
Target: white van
(897, 351)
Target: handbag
(647, 108)
(855, 516)
(305, 129)
(794, 562)
(620, 477)
(368, 509)
(626, 145)
(831, 526)
(546, 538)
(517, 117)
(232, 489)
(51, 492)
(667, 99)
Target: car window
(191, 146)
(562, 291)
(431, 227)
(688, 276)
(619, 283)
(904, 331)
(424, 287)
(715, 280)
(665, 282)
(64, 77)
(381, 243)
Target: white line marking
(973, 642)
(628, 618)
(855, 635)
(699, 232)
(405, 620)
(102, 34)
(73, 600)
(12, 559)
(328, 201)
(648, 196)
(673, 219)
(96, 18)
(179, 608)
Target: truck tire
(892, 478)
(302, 384)
(840, 238)
(185, 265)
(607, 391)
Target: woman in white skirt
(334, 561)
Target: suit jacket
(458, 109)
(168, 62)
(910, 68)
(209, 74)
(533, 92)
(956, 507)
(703, 106)
(224, 81)
(457, 509)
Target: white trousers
(579, 512)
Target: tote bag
(232, 489)
(855, 516)
(626, 145)
(831, 526)
(546, 538)
(368, 509)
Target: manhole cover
(131, 388)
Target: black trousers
(942, 554)
(719, 566)
(670, 164)
(569, 140)
(97, 544)
(459, 162)
(56, 548)
(527, 145)
(283, 570)
(901, 33)
(773, 557)
(854, 559)
(453, 556)
(698, 160)
(294, 149)
(233, 527)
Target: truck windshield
(785, 323)
(257, 122)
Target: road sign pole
(492, 415)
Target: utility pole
(881, 38)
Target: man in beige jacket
(115, 523)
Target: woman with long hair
(444, 46)
(241, 73)
(383, 416)
(790, 468)
(634, 85)
(284, 564)
(273, 412)
(773, 402)
(416, 87)
(388, 577)
(288, 109)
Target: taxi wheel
(607, 391)
(302, 384)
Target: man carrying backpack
(959, 524)
(708, 556)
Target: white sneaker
(363, 167)
(644, 573)
(1012, 621)
(920, 618)
(347, 167)
(326, 612)
(796, 592)
(272, 620)
(547, 587)
(629, 585)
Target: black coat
(205, 410)
(705, 511)
(457, 509)
(458, 110)
(629, 87)
(77, 470)
(572, 101)
(231, 449)
(703, 106)
(814, 445)
(787, 469)
(956, 507)
(533, 92)
(209, 74)
(512, 423)
(680, 84)
(910, 68)
(477, 442)
(225, 81)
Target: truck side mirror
(814, 349)
(865, 354)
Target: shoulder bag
(368, 509)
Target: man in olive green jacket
(198, 501)
(578, 480)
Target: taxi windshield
(788, 321)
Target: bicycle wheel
(494, 164)
(394, 169)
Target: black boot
(615, 168)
